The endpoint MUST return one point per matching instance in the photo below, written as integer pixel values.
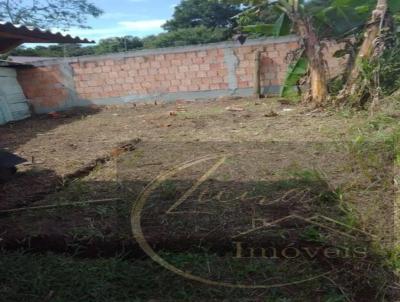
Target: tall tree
(61, 14)
(207, 13)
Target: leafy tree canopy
(118, 44)
(61, 14)
(187, 36)
(330, 18)
(207, 13)
(54, 51)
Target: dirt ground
(62, 147)
(190, 177)
(105, 157)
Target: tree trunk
(313, 50)
(354, 87)
(319, 90)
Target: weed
(313, 234)
(91, 232)
(168, 190)
(336, 85)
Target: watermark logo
(228, 219)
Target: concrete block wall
(195, 72)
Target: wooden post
(257, 74)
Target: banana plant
(295, 18)
(295, 72)
(281, 27)
(379, 27)
(313, 21)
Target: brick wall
(273, 63)
(43, 86)
(173, 73)
(151, 74)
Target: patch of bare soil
(77, 156)
(228, 180)
(59, 147)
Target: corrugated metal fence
(13, 104)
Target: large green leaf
(342, 17)
(295, 72)
(281, 27)
(394, 6)
(260, 29)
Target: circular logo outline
(137, 231)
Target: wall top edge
(167, 50)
